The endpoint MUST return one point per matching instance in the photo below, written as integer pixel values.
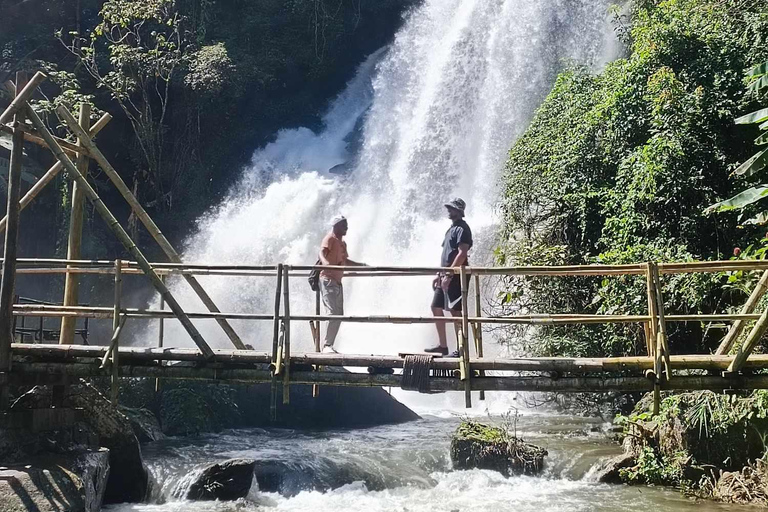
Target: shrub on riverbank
(708, 444)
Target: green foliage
(757, 79)
(617, 167)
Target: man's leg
(333, 300)
(440, 326)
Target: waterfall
(430, 117)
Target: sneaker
(456, 354)
(328, 349)
(443, 351)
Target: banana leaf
(740, 200)
(755, 117)
(754, 164)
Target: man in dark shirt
(447, 286)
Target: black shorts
(450, 301)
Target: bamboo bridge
(32, 363)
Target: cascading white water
(428, 118)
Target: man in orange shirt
(333, 251)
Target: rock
(144, 424)
(610, 472)
(334, 407)
(226, 481)
(57, 483)
(128, 479)
(475, 445)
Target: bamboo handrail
(20, 101)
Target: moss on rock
(481, 446)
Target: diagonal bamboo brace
(121, 234)
(21, 99)
(142, 214)
(738, 326)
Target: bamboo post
(10, 249)
(478, 329)
(464, 344)
(116, 330)
(276, 345)
(316, 333)
(287, 340)
(738, 326)
(144, 217)
(121, 234)
(53, 171)
(71, 280)
(652, 341)
(160, 333)
(663, 340)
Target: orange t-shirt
(337, 255)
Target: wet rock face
(63, 483)
(475, 445)
(144, 424)
(225, 481)
(128, 480)
(610, 473)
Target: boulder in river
(610, 472)
(225, 481)
(476, 445)
(73, 482)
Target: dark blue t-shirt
(458, 233)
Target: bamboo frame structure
(51, 362)
(118, 230)
(145, 219)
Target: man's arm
(461, 256)
(355, 263)
(323, 256)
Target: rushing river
(407, 467)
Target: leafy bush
(618, 167)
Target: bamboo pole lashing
(74, 241)
(121, 234)
(145, 219)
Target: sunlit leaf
(760, 69)
(753, 165)
(740, 200)
(755, 117)
(759, 219)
